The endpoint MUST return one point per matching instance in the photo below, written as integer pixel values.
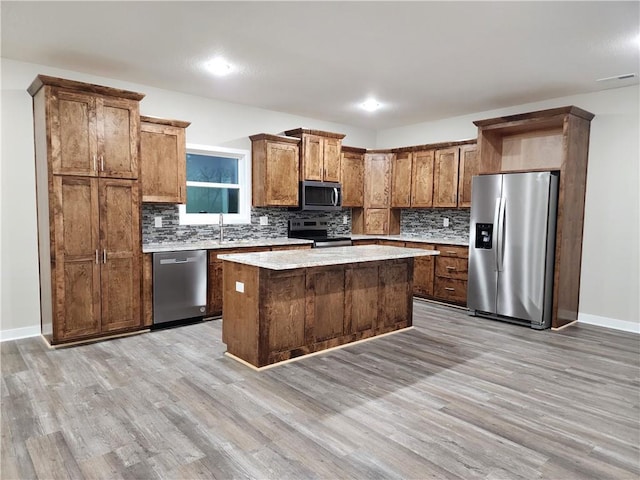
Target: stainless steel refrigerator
(512, 247)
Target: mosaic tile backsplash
(415, 222)
(426, 222)
(172, 231)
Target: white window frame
(244, 182)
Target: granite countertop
(319, 257)
(418, 239)
(217, 245)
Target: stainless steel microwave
(320, 196)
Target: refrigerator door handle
(496, 234)
(500, 252)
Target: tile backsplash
(172, 231)
(415, 222)
(430, 222)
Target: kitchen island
(282, 305)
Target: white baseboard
(614, 323)
(17, 333)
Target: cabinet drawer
(452, 267)
(450, 289)
(276, 248)
(364, 242)
(453, 251)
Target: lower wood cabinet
(423, 271)
(451, 273)
(94, 273)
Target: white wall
(610, 285)
(213, 123)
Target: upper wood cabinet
(163, 160)
(319, 154)
(469, 167)
(91, 132)
(422, 179)
(445, 178)
(377, 180)
(275, 164)
(87, 139)
(401, 180)
(352, 176)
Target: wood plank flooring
(456, 397)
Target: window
(218, 181)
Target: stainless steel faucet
(221, 224)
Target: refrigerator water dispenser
(484, 235)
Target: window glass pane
(207, 168)
(212, 200)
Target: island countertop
(319, 257)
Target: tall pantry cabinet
(87, 143)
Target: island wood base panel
(319, 352)
(270, 316)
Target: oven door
(320, 196)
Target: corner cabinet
(86, 154)
(163, 160)
(319, 155)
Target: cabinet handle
(97, 259)
(104, 256)
(451, 252)
(450, 289)
(102, 163)
(450, 268)
(95, 164)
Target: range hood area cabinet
(88, 204)
(163, 160)
(548, 140)
(319, 154)
(275, 170)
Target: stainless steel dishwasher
(179, 285)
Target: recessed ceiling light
(219, 66)
(370, 105)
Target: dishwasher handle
(168, 261)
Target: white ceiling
(422, 60)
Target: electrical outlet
(445, 222)
(264, 220)
(158, 222)
(345, 220)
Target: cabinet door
(76, 287)
(118, 123)
(120, 254)
(352, 180)
(401, 180)
(469, 166)
(377, 180)
(72, 119)
(376, 221)
(422, 179)
(445, 178)
(325, 302)
(312, 157)
(331, 151)
(162, 163)
(281, 176)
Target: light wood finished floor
(456, 397)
